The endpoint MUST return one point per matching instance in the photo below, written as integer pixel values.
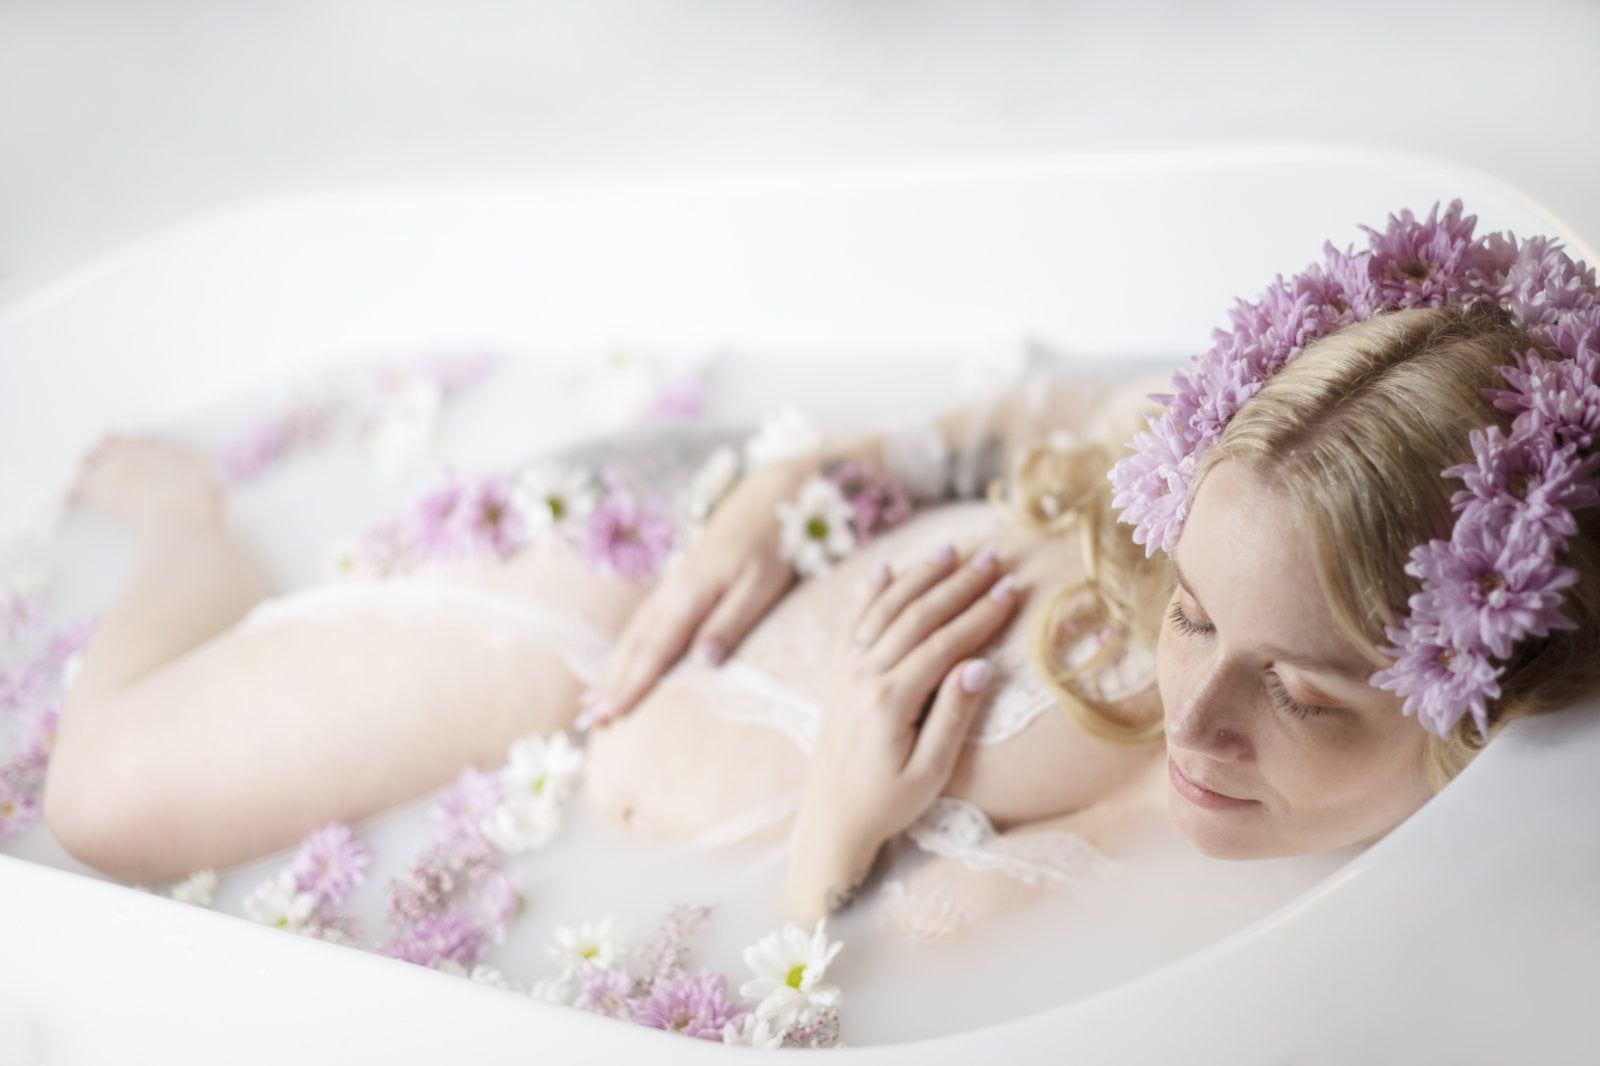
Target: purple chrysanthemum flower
(1557, 398)
(1486, 272)
(627, 537)
(1525, 478)
(468, 800)
(683, 397)
(693, 1004)
(330, 863)
(607, 991)
(877, 501)
(1577, 336)
(1151, 485)
(450, 935)
(1545, 287)
(436, 522)
(1440, 681)
(499, 901)
(1421, 263)
(493, 525)
(1491, 584)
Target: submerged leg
(188, 741)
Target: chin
(1219, 835)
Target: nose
(1208, 720)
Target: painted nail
(945, 553)
(585, 719)
(975, 675)
(984, 558)
(1002, 588)
(712, 651)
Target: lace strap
(957, 829)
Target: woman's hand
(896, 716)
(712, 596)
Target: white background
(119, 116)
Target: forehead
(1247, 557)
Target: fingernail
(712, 651)
(1002, 588)
(975, 675)
(984, 558)
(945, 553)
(585, 719)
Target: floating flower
(788, 433)
(590, 944)
(752, 1030)
(606, 991)
(560, 989)
(716, 476)
(789, 966)
(691, 1004)
(330, 864)
(540, 773)
(197, 888)
(280, 902)
(816, 527)
(465, 803)
(450, 935)
(555, 502)
(627, 537)
(877, 501)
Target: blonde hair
(1356, 430)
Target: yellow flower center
(796, 972)
(558, 506)
(817, 528)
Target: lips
(1199, 794)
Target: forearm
(827, 868)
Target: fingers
(656, 634)
(939, 741)
(745, 601)
(916, 579)
(963, 635)
(936, 606)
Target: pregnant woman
(1362, 542)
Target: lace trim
(958, 829)
(503, 619)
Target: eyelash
(1275, 691)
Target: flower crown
(1497, 579)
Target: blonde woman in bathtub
(1267, 617)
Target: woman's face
(1264, 702)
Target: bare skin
(186, 743)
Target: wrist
(828, 863)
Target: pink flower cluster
(626, 536)
(30, 705)
(877, 500)
(1497, 579)
(463, 518)
(330, 864)
(427, 907)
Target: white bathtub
(1469, 934)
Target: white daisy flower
(481, 973)
(561, 989)
(554, 502)
(752, 1030)
(521, 823)
(279, 903)
(789, 432)
(816, 527)
(712, 481)
(539, 765)
(599, 943)
(406, 428)
(789, 966)
(197, 888)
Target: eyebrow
(1344, 667)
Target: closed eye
(1186, 624)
